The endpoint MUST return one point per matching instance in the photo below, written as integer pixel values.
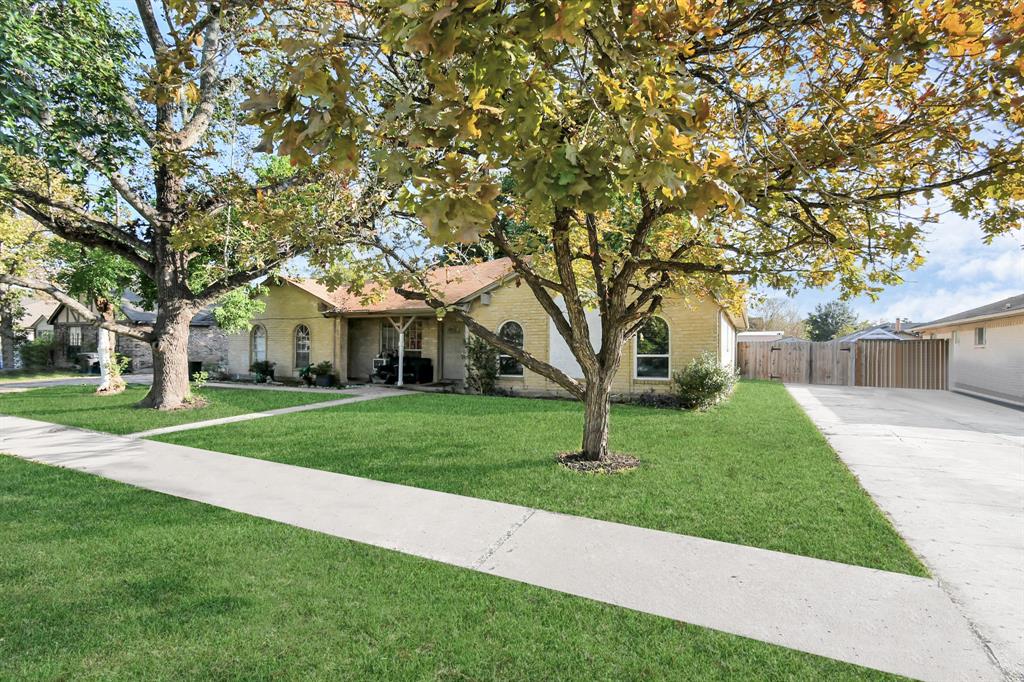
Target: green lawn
(8, 376)
(80, 406)
(754, 471)
(99, 580)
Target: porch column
(401, 326)
(401, 357)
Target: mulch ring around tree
(612, 463)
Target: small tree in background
(778, 314)
(829, 320)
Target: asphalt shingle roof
(1009, 306)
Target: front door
(453, 361)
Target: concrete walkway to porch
(352, 395)
(888, 621)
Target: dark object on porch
(414, 370)
(89, 363)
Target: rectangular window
(979, 336)
(413, 338)
(652, 350)
(75, 336)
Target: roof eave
(967, 320)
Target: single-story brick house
(306, 323)
(73, 335)
(986, 349)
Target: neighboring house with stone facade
(305, 323)
(986, 349)
(73, 335)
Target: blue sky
(960, 272)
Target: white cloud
(1007, 266)
(931, 304)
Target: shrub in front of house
(481, 366)
(38, 353)
(263, 371)
(703, 383)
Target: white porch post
(401, 327)
(401, 357)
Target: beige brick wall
(287, 307)
(995, 370)
(351, 344)
(693, 328)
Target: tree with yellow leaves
(661, 146)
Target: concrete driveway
(949, 472)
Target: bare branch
(120, 184)
(152, 27)
(112, 239)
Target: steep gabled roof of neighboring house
(1014, 305)
(885, 331)
(133, 311)
(36, 308)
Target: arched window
(301, 346)
(652, 342)
(508, 366)
(258, 344)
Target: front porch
(405, 349)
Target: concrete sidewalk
(892, 622)
(355, 395)
(949, 471)
(85, 379)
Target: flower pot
(324, 379)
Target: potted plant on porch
(324, 372)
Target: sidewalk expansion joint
(478, 564)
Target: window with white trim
(512, 333)
(75, 336)
(652, 346)
(258, 344)
(980, 336)
(302, 346)
(413, 338)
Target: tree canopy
(830, 320)
(686, 147)
(122, 131)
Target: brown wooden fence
(903, 364)
(893, 364)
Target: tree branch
(231, 282)
(574, 387)
(103, 235)
(209, 88)
(152, 28)
(120, 184)
(142, 332)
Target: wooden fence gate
(920, 363)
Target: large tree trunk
(595, 420)
(170, 360)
